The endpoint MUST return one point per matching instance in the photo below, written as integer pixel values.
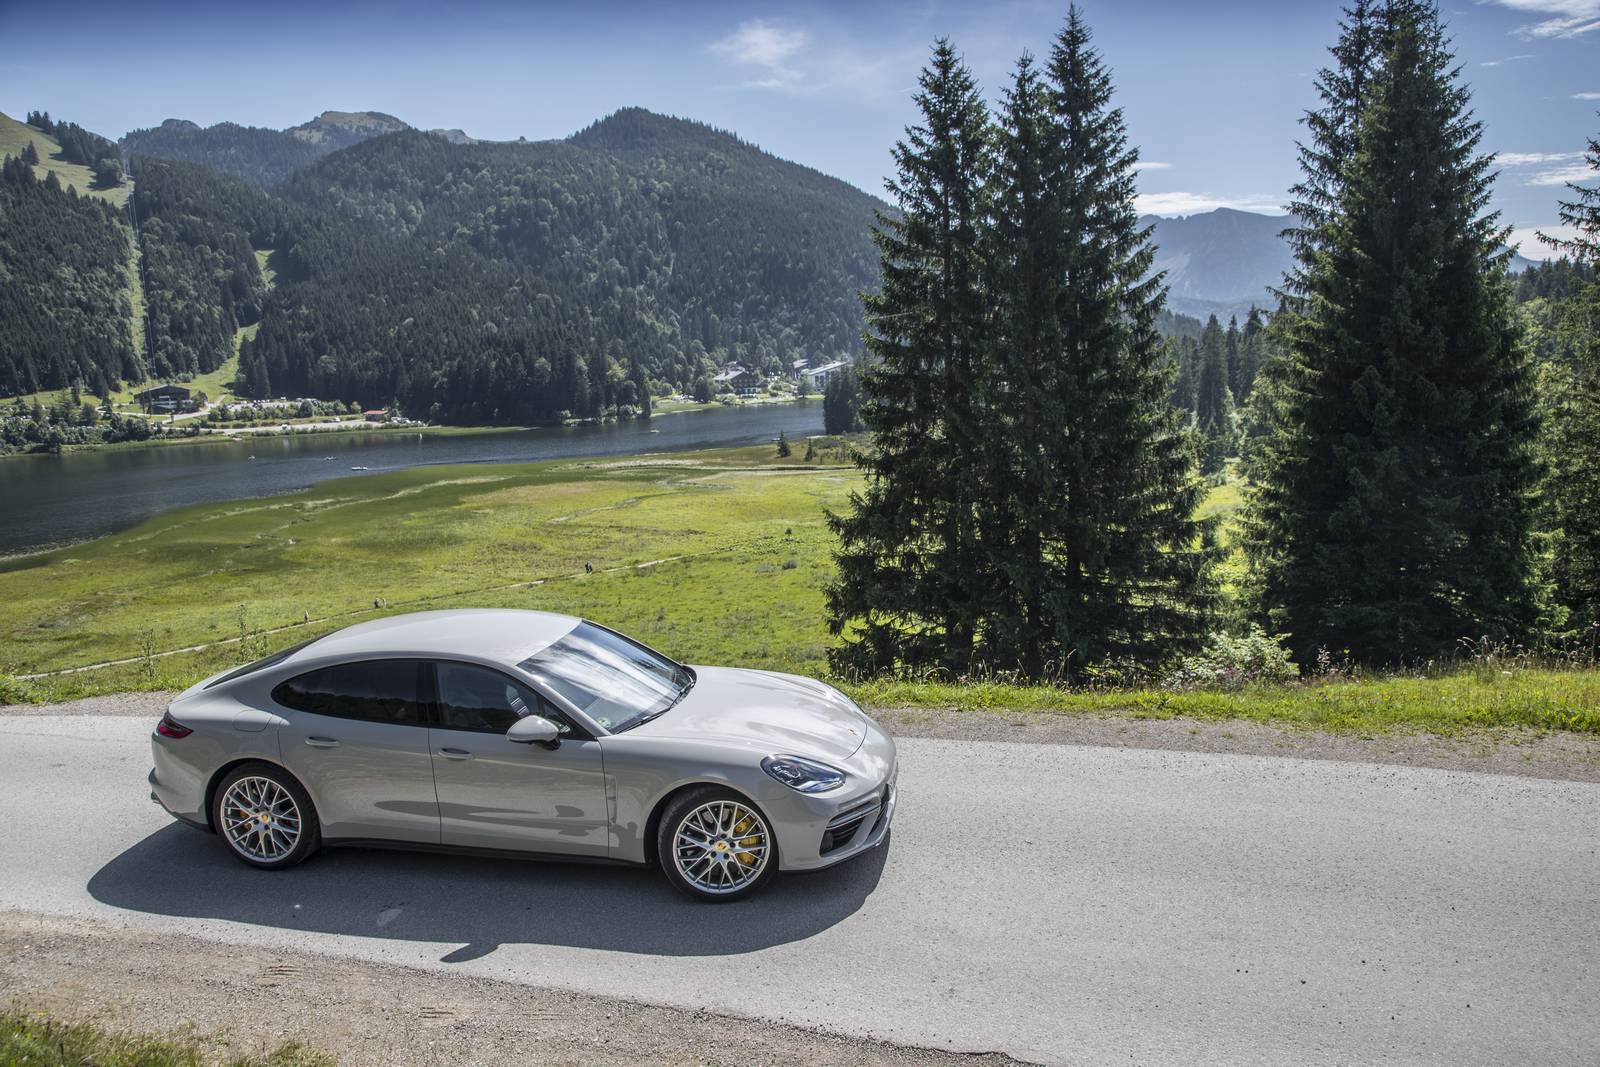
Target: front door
(357, 736)
(495, 793)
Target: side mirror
(534, 730)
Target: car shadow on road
(476, 903)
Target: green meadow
(713, 557)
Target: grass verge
(38, 1041)
(1446, 704)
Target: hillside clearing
(14, 136)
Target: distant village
(740, 380)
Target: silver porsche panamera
(521, 732)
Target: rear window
(261, 664)
(379, 690)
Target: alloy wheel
(260, 819)
(721, 847)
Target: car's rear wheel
(265, 817)
(715, 846)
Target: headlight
(807, 776)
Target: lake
(54, 500)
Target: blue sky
(1213, 91)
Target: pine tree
(1252, 345)
(30, 154)
(1213, 410)
(841, 403)
(1233, 344)
(1570, 396)
(1582, 213)
(1103, 563)
(1390, 511)
(1343, 88)
(784, 451)
(1185, 363)
(908, 562)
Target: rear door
(495, 793)
(358, 738)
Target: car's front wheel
(265, 817)
(715, 846)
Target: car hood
(781, 713)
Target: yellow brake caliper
(747, 842)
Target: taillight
(170, 727)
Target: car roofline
(296, 665)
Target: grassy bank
(719, 556)
(37, 1041)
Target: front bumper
(825, 831)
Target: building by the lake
(164, 399)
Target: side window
(383, 690)
(475, 698)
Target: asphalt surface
(1054, 902)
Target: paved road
(1057, 903)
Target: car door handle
(455, 753)
(322, 742)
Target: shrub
(16, 691)
(1228, 660)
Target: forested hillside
(64, 313)
(199, 230)
(482, 282)
(731, 252)
(260, 156)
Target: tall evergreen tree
(1185, 366)
(1390, 511)
(1233, 344)
(1252, 345)
(841, 402)
(1570, 394)
(1342, 87)
(1103, 562)
(1582, 213)
(1213, 409)
(908, 560)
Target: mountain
(469, 282)
(261, 156)
(729, 251)
(334, 130)
(1221, 262)
(1225, 262)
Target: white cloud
(1525, 239)
(1586, 96)
(1561, 18)
(1527, 159)
(1150, 164)
(1183, 203)
(818, 59)
(1577, 172)
(1503, 61)
(766, 46)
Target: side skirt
(470, 850)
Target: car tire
(715, 845)
(265, 817)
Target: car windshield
(616, 682)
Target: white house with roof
(817, 378)
(736, 378)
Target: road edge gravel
(241, 1000)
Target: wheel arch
(234, 764)
(652, 825)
